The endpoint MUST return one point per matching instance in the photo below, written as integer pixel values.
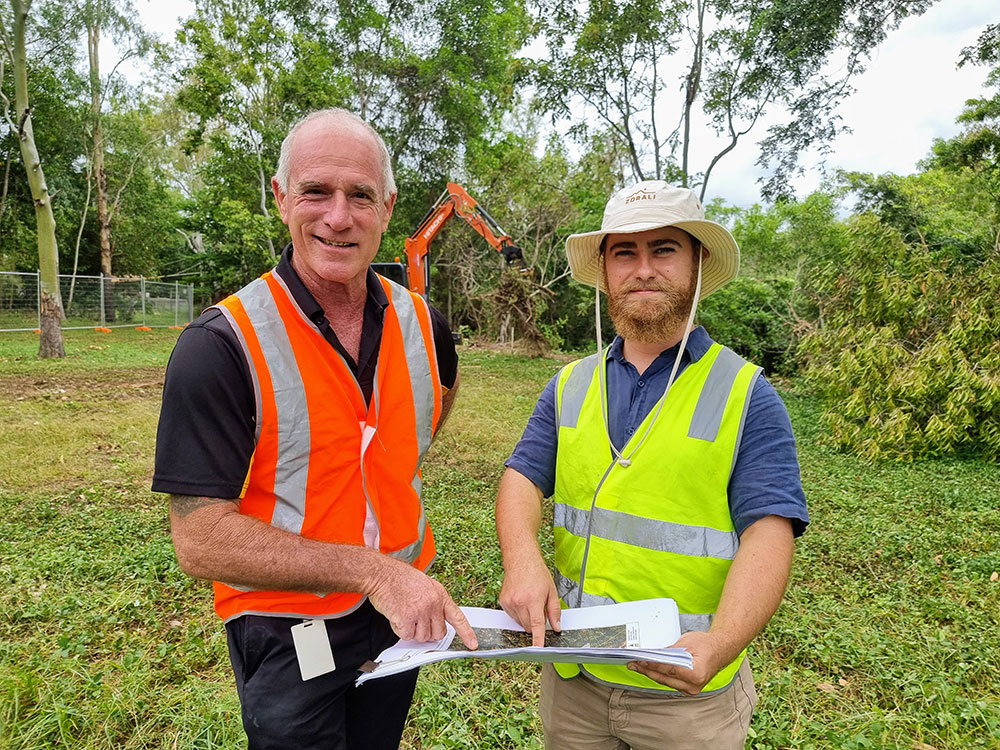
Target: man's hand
(709, 654)
(529, 596)
(753, 590)
(416, 605)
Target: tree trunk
(691, 88)
(100, 176)
(48, 252)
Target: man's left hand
(709, 655)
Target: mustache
(644, 286)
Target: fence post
(101, 281)
(177, 301)
(142, 293)
(38, 296)
(190, 302)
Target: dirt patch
(122, 385)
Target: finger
(658, 675)
(439, 627)
(461, 624)
(403, 629)
(537, 629)
(421, 631)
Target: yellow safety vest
(660, 527)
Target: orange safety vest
(326, 465)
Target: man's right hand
(529, 596)
(416, 605)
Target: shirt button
(641, 383)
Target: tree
(51, 344)
(732, 61)
(976, 151)
(120, 19)
(430, 78)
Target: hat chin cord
(602, 365)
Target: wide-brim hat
(651, 205)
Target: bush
(753, 317)
(908, 355)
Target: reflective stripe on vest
(662, 526)
(311, 420)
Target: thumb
(554, 612)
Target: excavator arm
(454, 201)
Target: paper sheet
(612, 634)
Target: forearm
(447, 401)
(518, 519)
(213, 540)
(755, 584)
(528, 593)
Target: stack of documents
(612, 634)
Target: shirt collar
(303, 297)
(698, 343)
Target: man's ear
(279, 198)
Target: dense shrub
(753, 317)
(907, 355)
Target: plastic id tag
(312, 649)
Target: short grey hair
(343, 116)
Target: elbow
(196, 539)
(190, 558)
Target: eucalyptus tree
(647, 70)
(119, 18)
(20, 121)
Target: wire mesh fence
(96, 302)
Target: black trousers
(283, 712)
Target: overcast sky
(911, 93)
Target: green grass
(887, 637)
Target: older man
(673, 470)
(295, 416)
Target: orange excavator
(454, 201)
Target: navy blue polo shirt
(765, 479)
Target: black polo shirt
(205, 438)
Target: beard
(651, 320)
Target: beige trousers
(580, 714)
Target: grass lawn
(887, 637)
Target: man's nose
(644, 266)
(338, 212)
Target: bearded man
(673, 472)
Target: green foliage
(908, 354)
(752, 317)
(763, 313)
(946, 211)
(433, 79)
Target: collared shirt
(765, 479)
(205, 437)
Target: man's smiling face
(334, 206)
